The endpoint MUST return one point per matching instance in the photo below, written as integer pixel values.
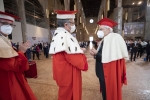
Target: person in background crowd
(148, 51)
(128, 45)
(40, 46)
(37, 51)
(28, 54)
(135, 42)
(46, 49)
(134, 49)
(14, 45)
(48, 44)
(139, 52)
(33, 51)
(17, 45)
(144, 46)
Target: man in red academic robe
(68, 58)
(13, 85)
(110, 60)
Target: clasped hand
(83, 49)
(93, 51)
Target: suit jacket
(134, 47)
(99, 65)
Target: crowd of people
(137, 48)
(85, 44)
(35, 49)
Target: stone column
(23, 19)
(67, 4)
(77, 3)
(45, 6)
(101, 9)
(2, 6)
(147, 24)
(130, 14)
(47, 22)
(105, 7)
(117, 16)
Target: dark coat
(99, 65)
(28, 53)
(139, 47)
(148, 48)
(134, 48)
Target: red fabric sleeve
(77, 60)
(16, 64)
(86, 64)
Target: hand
(23, 48)
(83, 49)
(94, 51)
(91, 52)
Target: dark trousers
(103, 88)
(46, 54)
(140, 52)
(44, 51)
(37, 54)
(133, 54)
(148, 56)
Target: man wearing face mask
(110, 60)
(13, 85)
(68, 58)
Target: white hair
(111, 30)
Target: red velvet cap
(65, 12)
(61, 14)
(8, 16)
(107, 22)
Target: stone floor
(138, 75)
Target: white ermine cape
(114, 48)
(64, 41)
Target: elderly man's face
(5, 22)
(71, 21)
(104, 29)
(69, 24)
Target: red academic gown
(115, 77)
(13, 85)
(67, 74)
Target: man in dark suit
(100, 72)
(139, 52)
(148, 52)
(134, 50)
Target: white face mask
(73, 28)
(6, 29)
(100, 34)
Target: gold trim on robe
(6, 51)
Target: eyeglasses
(12, 25)
(71, 23)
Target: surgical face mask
(73, 28)
(6, 29)
(100, 34)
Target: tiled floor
(138, 75)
